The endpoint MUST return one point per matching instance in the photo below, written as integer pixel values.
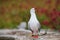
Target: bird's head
(32, 10)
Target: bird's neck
(33, 15)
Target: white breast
(33, 23)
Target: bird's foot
(35, 36)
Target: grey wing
(29, 26)
(39, 26)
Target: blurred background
(13, 12)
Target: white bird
(22, 25)
(33, 23)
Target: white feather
(33, 23)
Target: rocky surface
(51, 35)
